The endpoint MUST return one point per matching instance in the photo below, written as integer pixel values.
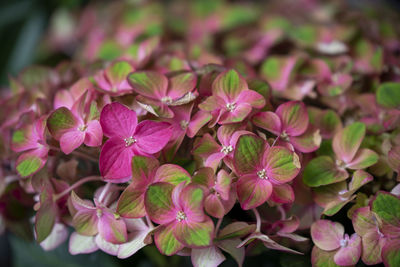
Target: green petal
(322, 171)
(248, 153)
(45, 220)
(387, 207)
(60, 121)
(388, 95)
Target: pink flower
(126, 139)
(179, 211)
(231, 100)
(76, 126)
(157, 93)
(113, 79)
(261, 168)
(290, 123)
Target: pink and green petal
(252, 98)
(195, 234)
(45, 219)
(117, 74)
(205, 177)
(282, 194)
(372, 244)
(158, 203)
(191, 200)
(363, 159)
(213, 206)
(281, 164)
(85, 222)
(253, 191)
(143, 170)
(387, 207)
(231, 247)
(197, 122)
(131, 202)
(228, 85)
(350, 254)
(268, 121)
(294, 117)
(347, 141)
(391, 253)
(206, 146)
(61, 121)
(172, 174)
(31, 162)
(150, 84)
(181, 84)
(223, 184)
(118, 120)
(359, 179)
(321, 258)
(323, 171)
(235, 230)
(248, 153)
(165, 240)
(112, 228)
(308, 142)
(237, 115)
(326, 234)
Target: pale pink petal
(349, 253)
(71, 140)
(326, 234)
(207, 257)
(251, 97)
(94, 134)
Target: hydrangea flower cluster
(238, 132)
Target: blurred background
(24, 31)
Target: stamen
(166, 100)
(231, 107)
(226, 149)
(129, 141)
(184, 124)
(262, 174)
(180, 216)
(82, 128)
(285, 136)
(99, 213)
(345, 241)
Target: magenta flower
(76, 126)
(113, 79)
(157, 93)
(179, 211)
(261, 168)
(212, 153)
(126, 139)
(31, 140)
(290, 123)
(231, 100)
(333, 246)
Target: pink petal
(282, 194)
(268, 121)
(207, 257)
(63, 98)
(223, 184)
(214, 206)
(194, 234)
(118, 120)
(181, 84)
(214, 159)
(94, 134)
(191, 200)
(152, 136)
(115, 161)
(165, 241)
(308, 142)
(294, 117)
(363, 159)
(71, 140)
(228, 85)
(149, 83)
(350, 254)
(197, 122)
(347, 141)
(251, 97)
(237, 115)
(252, 191)
(112, 229)
(326, 234)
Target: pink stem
(75, 185)
(258, 218)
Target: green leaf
(322, 171)
(388, 95)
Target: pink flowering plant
(230, 136)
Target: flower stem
(104, 192)
(75, 185)
(149, 222)
(258, 218)
(218, 225)
(276, 139)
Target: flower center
(180, 216)
(99, 213)
(341, 193)
(345, 241)
(184, 124)
(129, 141)
(166, 100)
(285, 136)
(226, 149)
(262, 174)
(82, 128)
(340, 164)
(231, 106)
